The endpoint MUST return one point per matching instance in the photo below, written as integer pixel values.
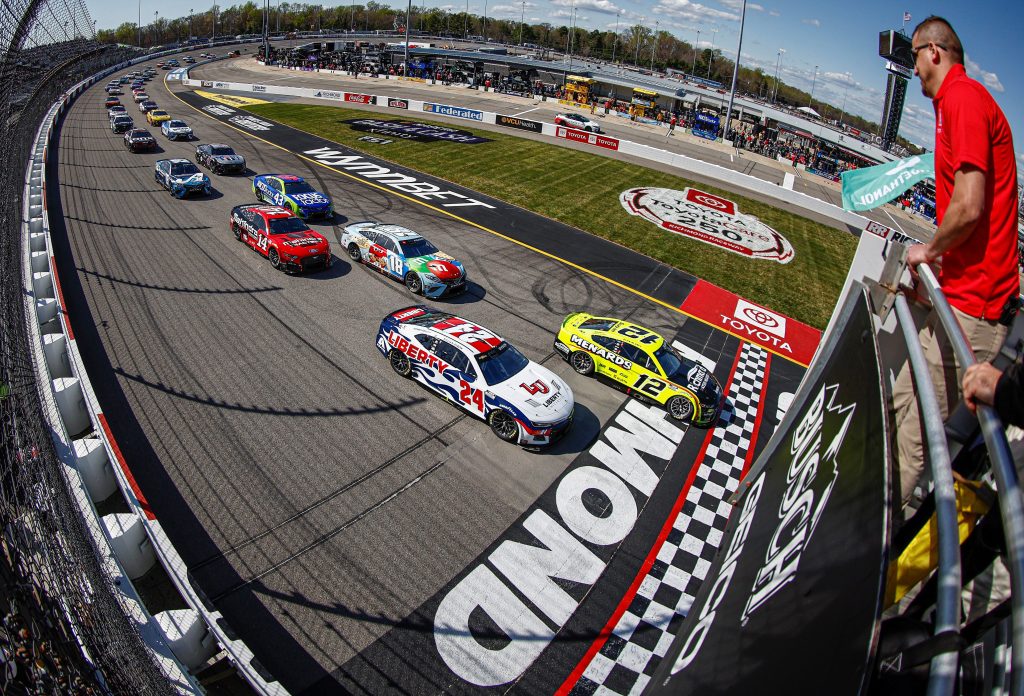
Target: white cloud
(812, 22)
(737, 4)
(603, 6)
(990, 79)
(774, 13)
(692, 12)
(845, 79)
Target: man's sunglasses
(914, 50)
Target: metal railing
(948, 577)
(1011, 504)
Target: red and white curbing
(128, 544)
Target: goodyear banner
(792, 598)
(870, 187)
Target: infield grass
(582, 189)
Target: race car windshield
(501, 363)
(669, 361)
(286, 225)
(218, 151)
(176, 124)
(184, 168)
(291, 187)
(417, 247)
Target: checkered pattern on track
(626, 662)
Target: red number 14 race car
(280, 236)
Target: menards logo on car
(708, 218)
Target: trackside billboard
(792, 598)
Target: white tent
(809, 111)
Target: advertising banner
(325, 94)
(706, 126)
(414, 130)
(453, 111)
(792, 597)
(359, 98)
(578, 136)
(520, 123)
(397, 103)
(870, 187)
(753, 323)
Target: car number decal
(470, 396)
(649, 385)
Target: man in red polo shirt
(975, 243)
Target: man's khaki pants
(985, 337)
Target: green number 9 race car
(640, 362)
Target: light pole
(408, 13)
(522, 20)
(485, 21)
(711, 58)
(615, 40)
(214, 37)
(813, 80)
(778, 62)
(842, 111)
(465, 31)
(190, 34)
(735, 70)
(636, 54)
(156, 28)
(139, 25)
(654, 44)
(693, 70)
(572, 33)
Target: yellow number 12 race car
(640, 362)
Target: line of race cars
(463, 362)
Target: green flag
(864, 189)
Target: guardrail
(601, 143)
(129, 544)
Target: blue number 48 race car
(293, 193)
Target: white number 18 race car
(478, 371)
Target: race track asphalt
(317, 498)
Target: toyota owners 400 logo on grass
(708, 218)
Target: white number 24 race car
(478, 371)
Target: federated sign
(870, 187)
(805, 548)
(453, 111)
(708, 218)
(414, 130)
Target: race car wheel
(413, 282)
(353, 253)
(215, 169)
(582, 362)
(259, 196)
(680, 408)
(237, 231)
(275, 259)
(400, 362)
(503, 425)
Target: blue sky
(840, 38)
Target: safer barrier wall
(129, 544)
